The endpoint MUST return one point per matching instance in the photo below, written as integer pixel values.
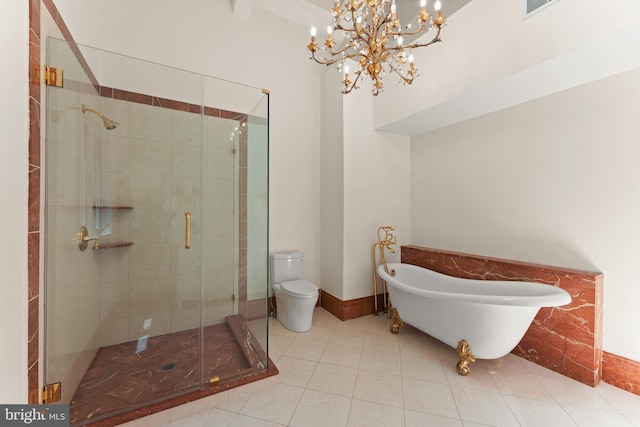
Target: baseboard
(351, 309)
(621, 372)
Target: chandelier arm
(327, 63)
(355, 28)
(339, 52)
(333, 61)
(364, 30)
(376, 22)
(338, 26)
(353, 37)
(409, 33)
(386, 19)
(399, 73)
(330, 61)
(353, 85)
(393, 49)
(436, 39)
(387, 14)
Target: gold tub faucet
(384, 242)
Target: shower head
(108, 123)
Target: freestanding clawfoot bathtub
(480, 318)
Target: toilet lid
(302, 288)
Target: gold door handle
(187, 233)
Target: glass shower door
(235, 303)
(123, 246)
(72, 301)
(156, 233)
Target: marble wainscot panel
(621, 372)
(565, 339)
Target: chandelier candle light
(373, 37)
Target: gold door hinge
(53, 76)
(51, 393)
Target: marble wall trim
(66, 34)
(565, 339)
(350, 309)
(33, 237)
(621, 372)
(139, 98)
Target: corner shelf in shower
(113, 207)
(115, 244)
(112, 245)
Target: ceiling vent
(532, 6)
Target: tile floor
(356, 373)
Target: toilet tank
(286, 266)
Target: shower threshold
(123, 383)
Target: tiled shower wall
(136, 182)
(153, 287)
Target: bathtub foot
(397, 321)
(466, 357)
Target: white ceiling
(448, 6)
(317, 12)
(606, 56)
(406, 10)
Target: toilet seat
(300, 288)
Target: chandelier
(373, 37)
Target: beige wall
(376, 191)
(14, 110)
(365, 184)
(552, 181)
(332, 219)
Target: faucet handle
(389, 238)
(82, 238)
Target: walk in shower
(156, 232)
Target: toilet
(295, 298)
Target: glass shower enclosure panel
(151, 232)
(257, 224)
(235, 228)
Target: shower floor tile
(124, 375)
